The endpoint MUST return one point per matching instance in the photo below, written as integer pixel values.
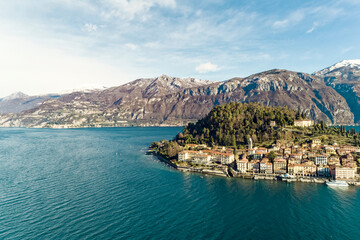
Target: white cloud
(281, 24)
(128, 9)
(88, 27)
(293, 19)
(315, 25)
(131, 46)
(346, 50)
(207, 67)
(322, 15)
(310, 30)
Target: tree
(155, 145)
(271, 156)
(234, 141)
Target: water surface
(99, 184)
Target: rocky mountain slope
(18, 102)
(344, 77)
(173, 101)
(116, 106)
(298, 91)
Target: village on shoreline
(309, 161)
(250, 140)
(284, 160)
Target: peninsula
(251, 140)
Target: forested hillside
(234, 123)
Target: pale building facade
(303, 123)
(344, 173)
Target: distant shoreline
(132, 126)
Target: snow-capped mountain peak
(347, 63)
(15, 96)
(355, 63)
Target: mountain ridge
(166, 100)
(344, 77)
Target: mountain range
(331, 95)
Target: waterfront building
(196, 157)
(296, 169)
(250, 166)
(206, 157)
(279, 166)
(202, 159)
(291, 169)
(242, 165)
(227, 158)
(323, 171)
(256, 168)
(263, 163)
(253, 166)
(344, 172)
(187, 155)
(309, 169)
(332, 170)
(268, 168)
(220, 157)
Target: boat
(337, 183)
(289, 176)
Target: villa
(303, 123)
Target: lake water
(99, 184)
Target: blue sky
(53, 45)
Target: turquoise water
(99, 184)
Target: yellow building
(279, 166)
(296, 169)
(309, 169)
